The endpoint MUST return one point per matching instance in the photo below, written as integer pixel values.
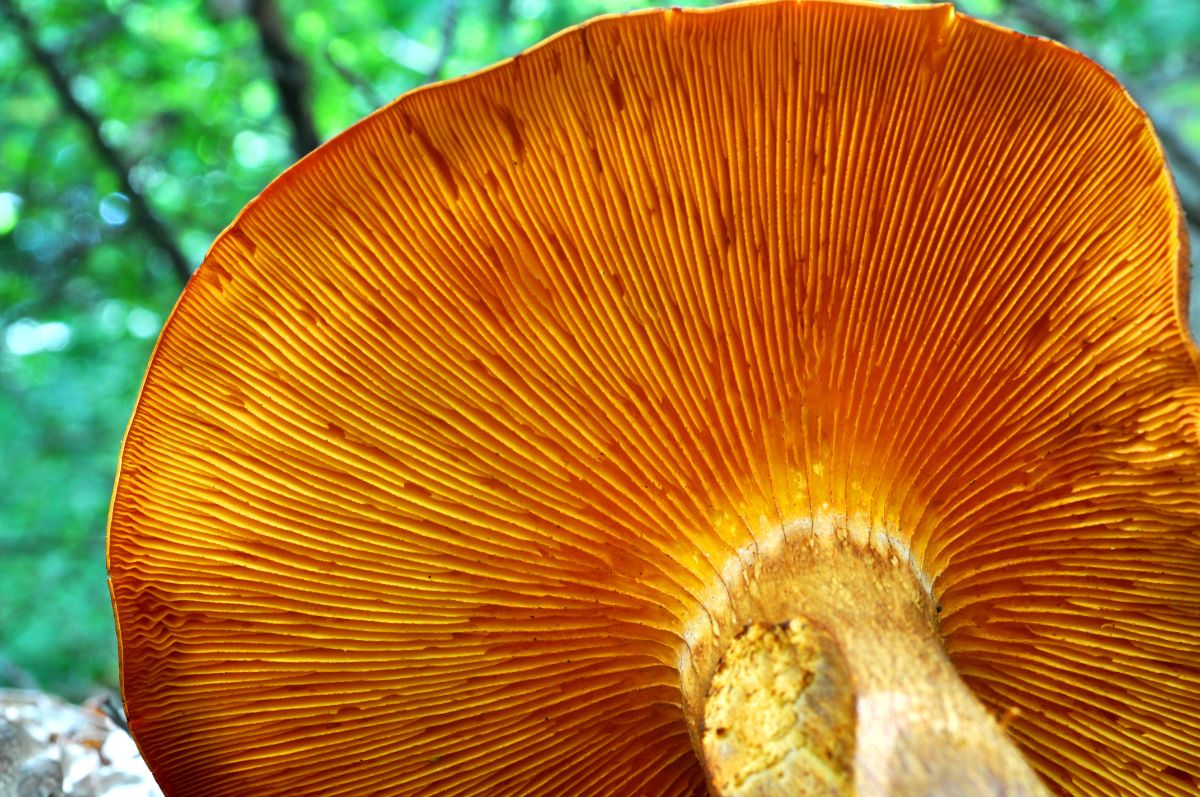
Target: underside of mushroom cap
(462, 427)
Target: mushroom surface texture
(788, 398)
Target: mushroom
(790, 398)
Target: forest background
(132, 132)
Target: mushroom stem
(779, 718)
(841, 686)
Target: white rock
(51, 748)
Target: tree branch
(291, 75)
(449, 28)
(504, 24)
(60, 81)
(355, 80)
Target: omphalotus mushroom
(788, 398)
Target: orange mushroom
(789, 396)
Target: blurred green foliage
(182, 91)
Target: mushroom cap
(451, 440)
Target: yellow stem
(835, 683)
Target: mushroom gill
(482, 434)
